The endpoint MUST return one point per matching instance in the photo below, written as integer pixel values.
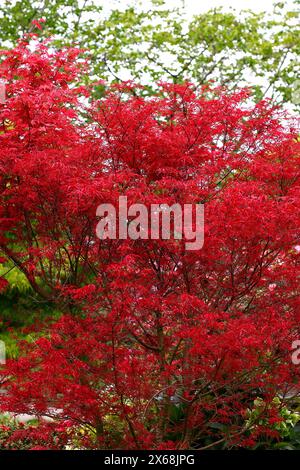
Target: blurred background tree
(153, 42)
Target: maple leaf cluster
(157, 347)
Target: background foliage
(147, 45)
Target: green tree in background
(234, 49)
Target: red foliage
(159, 347)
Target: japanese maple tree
(157, 347)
